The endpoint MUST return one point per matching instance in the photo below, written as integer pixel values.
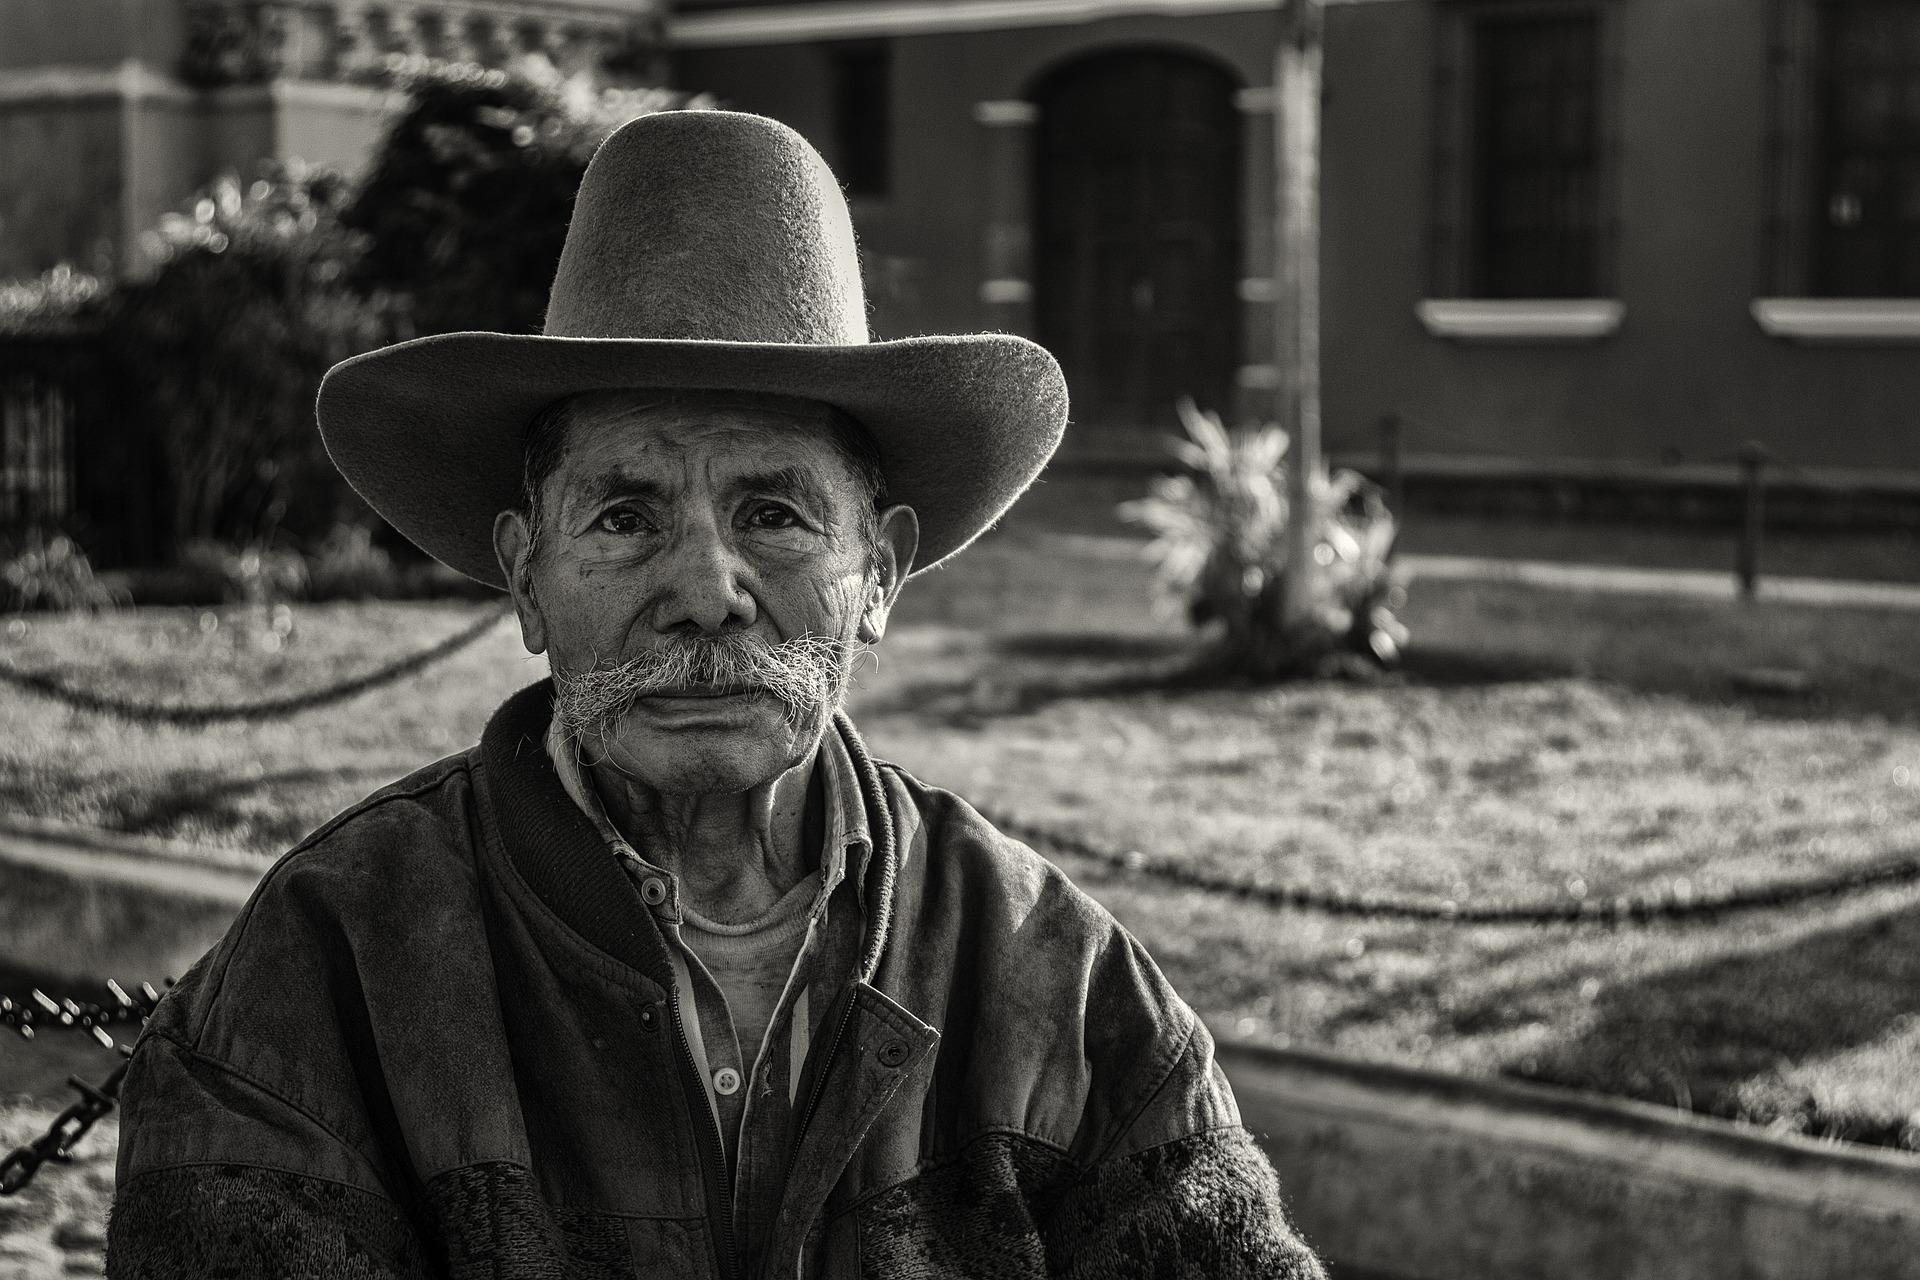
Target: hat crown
(709, 226)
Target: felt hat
(707, 250)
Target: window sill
(1839, 320)
(1520, 320)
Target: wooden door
(1137, 244)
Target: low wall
(93, 904)
(1388, 1170)
(1427, 1176)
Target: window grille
(1536, 188)
(1866, 189)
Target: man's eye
(771, 515)
(622, 520)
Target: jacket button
(649, 1018)
(893, 1053)
(653, 891)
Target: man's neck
(736, 855)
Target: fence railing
(1750, 477)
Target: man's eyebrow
(786, 482)
(617, 482)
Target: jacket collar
(562, 857)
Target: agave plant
(1220, 545)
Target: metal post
(1753, 461)
(1296, 109)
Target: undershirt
(751, 961)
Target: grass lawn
(1540, 743)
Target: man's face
(707, 516)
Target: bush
(1220, 540)
(221, 352)
(52, 573)
(256, 574)
(348, 566)
(55, 301)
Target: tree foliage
(465, 206)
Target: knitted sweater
(440, 1040)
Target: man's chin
(726, 744)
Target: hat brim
(431, 432)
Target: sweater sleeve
(1204, 1205)
(218, 1176)
(1184, 1191)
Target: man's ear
(513, 547)
(896, 541)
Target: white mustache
(801, 674)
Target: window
(1865, 217)
(1536, 172)
(862, 117)
(1523, 161)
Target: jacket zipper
(819, 1083)
(716, 1150)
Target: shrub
(221, 352)
(349, 566)
(54, 301)
(52, 573)
(1220, 541)
(256, 574)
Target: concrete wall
(39, 33)
(93, 159)
(1688, 372)
(61, 183)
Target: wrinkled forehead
(706, 430)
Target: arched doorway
(1137, 233)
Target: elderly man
(667, 976)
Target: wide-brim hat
(708, 250)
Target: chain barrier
(1673, 906)
(56, 1143)
(264, 709)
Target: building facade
(1601, 234)
(1585, 234)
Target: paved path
(1697, 583)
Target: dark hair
(546, 445)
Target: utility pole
(1296, 131)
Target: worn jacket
(434, 1043)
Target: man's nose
(703, 583)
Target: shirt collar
(846, 816)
